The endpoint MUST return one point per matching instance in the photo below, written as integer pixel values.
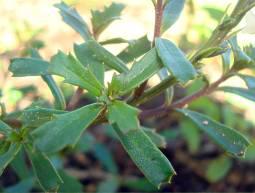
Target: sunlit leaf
(28, 67)
(85, 56)
(102, 19)
(243, 92)
(175, 61)
(171, 13)
(75, 73)
(135, 49)
(72, 18)
(106, 57)
(249, 80)
(141, 71)
(229, 139)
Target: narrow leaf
(35, 117)
(243, 92)
(148, 158)
(249, 80)
(140, 72)
(106, 57)
(46, 174)
(156, 138)
(66, 129)
(115, 41)
(28, 67)
(55, 90)
(241, 59)
(70, 184)
(4, 128)
(124, 115)
(175, 61)
(229, 139)
(75, 73)
(6, 158)
(135, 49)
(72, 18)
(102, 19)
(171, 13)
(218, 169)
(85, 56)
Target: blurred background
(101, 164)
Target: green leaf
(156, 138)
(35, 117)
(23, 186)
(75, 73)
(175, 61)
(19, 165)
(72, 18)
(138, 184)
(191, 134)
(249, 80)
(85, 56)
(215, 13)
(6, 158)
(226, 62)
(140, 72)
(115, 41)
(243, 92)
(241, 59)
(60, 102)
(70, 184)
(135, 49)
(102, 19)
(106, 57)
(102, 153)
(148, 158)
(4, 128)
(229, 139)
(169, 93)
(171, 13)
(28, 67)
(46, 174)
(110, 185)
(218, 169)
(124, 115)
(66, 129)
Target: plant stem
(159, 8)
(75, 99)
(154, 91)
(184, 101)
(222, 30)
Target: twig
(75, 99)
(184, 101)
(159, 8)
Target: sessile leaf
(124, 115)
(171, 13)
(75, 73)
(243, 92)
(229, 139)
(102, 19)
(175, 61)
(65, 129)
(28, 67)
(72, 18)
(148, 158)
(141, 71)
(46, 174)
